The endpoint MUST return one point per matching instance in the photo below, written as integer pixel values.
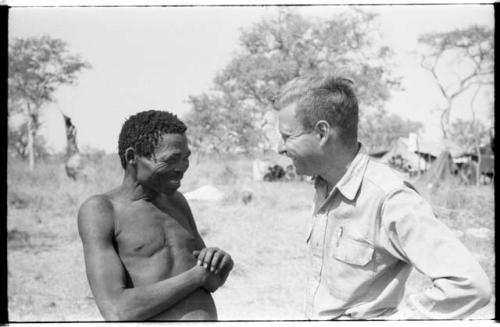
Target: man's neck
(134, 191)
(337, 165)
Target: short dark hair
(143, 130)
(323, 98)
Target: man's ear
(323, 130)
(130, 156)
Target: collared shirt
(367, 234)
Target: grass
(266, 238)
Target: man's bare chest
(144, 231)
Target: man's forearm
(460, 285)
(450, 300)
(144, 302)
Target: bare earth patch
(265, 234)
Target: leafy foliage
(379, 130)
(468, 132)
(37, 67)
(18, 143)
(237, 113)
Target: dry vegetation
(266, 237)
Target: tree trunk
(445, 119)
(31, 144)
(478, 167)
(477, 140)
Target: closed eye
(176, 158)
(171, 160)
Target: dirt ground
(266, 238)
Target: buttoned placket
(317, 246)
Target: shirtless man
(144, 257)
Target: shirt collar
(350, 182)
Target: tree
(380, 130)
(214, 127)
(18, 143)
(470, 54)
(37, 67)
(470, 133)
(237, 113)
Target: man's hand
(215, 260)
(209, 281)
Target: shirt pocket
(352, 252)
(349, 267)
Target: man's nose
(182, 167)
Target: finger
(224, 263)
(218, 255)
(201, 256)
(223, 273)
(208, 257)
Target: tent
(442, 170)
(401, 157)
(436, 146)
(416, 154)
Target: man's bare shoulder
(96, 213)
(179, 201)
(99, 203)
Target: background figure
(74, 165)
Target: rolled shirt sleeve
(459, 284)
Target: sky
(155, 57)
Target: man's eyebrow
(169, 156)
(174, 155)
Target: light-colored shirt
(365, 237)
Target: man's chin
(170, 191)
(171, 188)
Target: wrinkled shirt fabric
(366, 236)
